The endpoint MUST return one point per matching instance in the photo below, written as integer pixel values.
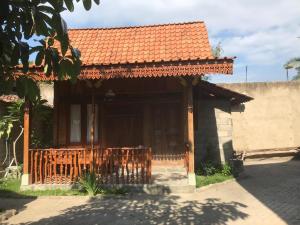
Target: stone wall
(271, 120)
(213, 131)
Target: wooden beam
(26, 137)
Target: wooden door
(123, 126)
(167, 137)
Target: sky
(262, 34)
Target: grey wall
(213, 131)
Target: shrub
(226, 170)
(90, 183)
(208, 169)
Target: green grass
(12, 185)
(11, 188)
(212, 179)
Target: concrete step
(158, 189)
(161, 169)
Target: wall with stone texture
(213, 131)
(271, 120)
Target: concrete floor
(268, 193)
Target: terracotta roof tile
(169, 42)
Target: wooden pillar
(25, 176)
(92, 131)
(190, 126)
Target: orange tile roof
(180, 49)
(156, 43)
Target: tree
(13, 117)
(216, 52)
(294, 64)
(39, 21)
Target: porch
(136, 136)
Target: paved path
(268, 194)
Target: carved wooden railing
(124, 165)
(112, 165)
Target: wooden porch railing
(112, 165)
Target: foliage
(90, 183)
(14, 117)
(217, 51)
(293, 64)
(31, 27)
(227, 169)
(207, 180)
(209, 169)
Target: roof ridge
(137, 26)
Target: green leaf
(46, 9)
(15, 55)
(41, 26)
(87, 4)
(24, 50)
(26, 87)
(97, 2)
(39, 58)
(50, 41)
(70, 5)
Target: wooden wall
(144, 112)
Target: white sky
(261, 33)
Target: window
(75, 123)
(90, 123)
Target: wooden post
(92, 131)
(189, 129)
(25, 176)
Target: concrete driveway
(269, 193)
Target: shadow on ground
(276, 185)
(141, 209)
(13, 200)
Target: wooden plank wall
(156, 104)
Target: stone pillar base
(25, 179)
(192, 179)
